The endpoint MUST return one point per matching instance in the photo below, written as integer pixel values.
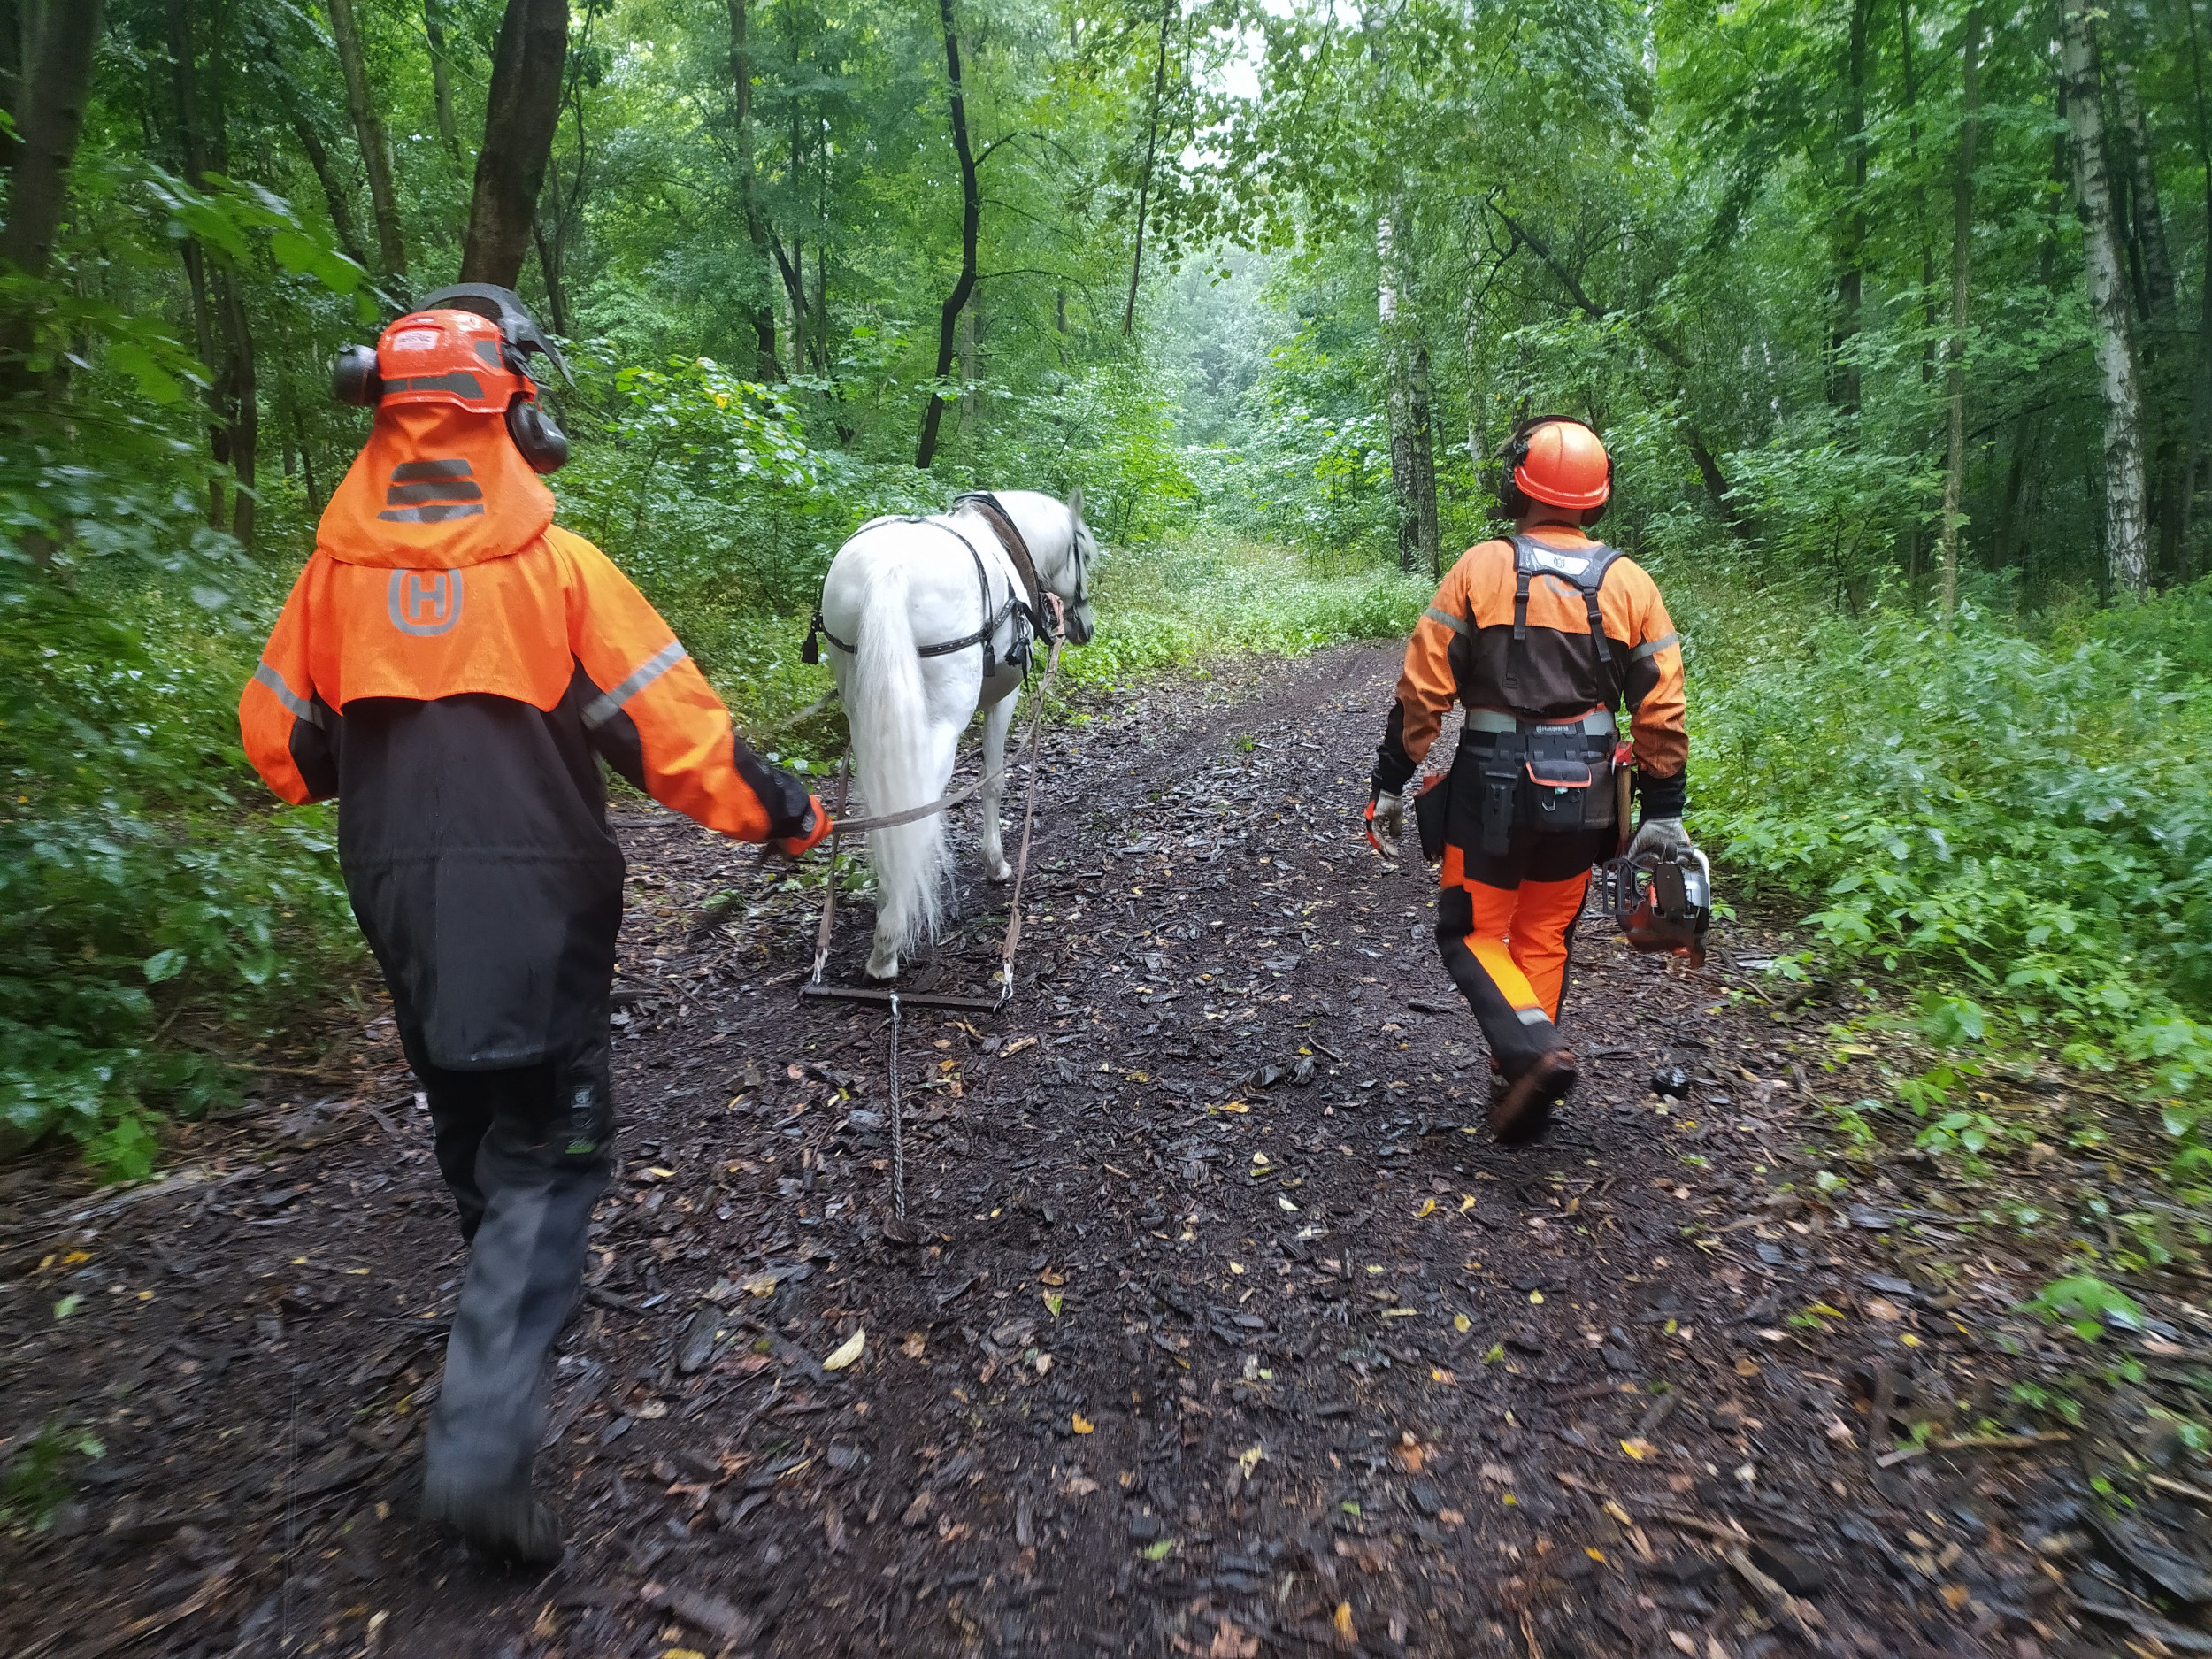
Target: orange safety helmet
(447, 357)
(1560, 461)
(465, 346)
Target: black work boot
(511, 1527)
(1520, 1110)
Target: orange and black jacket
(1461, 651)
(452, 666)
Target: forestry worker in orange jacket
(1542, 636)
(453, 666)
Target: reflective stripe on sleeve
(1450, 621)
(1652, 648)
(604, 707)
(298, 708)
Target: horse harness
(1032, 616)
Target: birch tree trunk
(1962, 260)
(2127, 549)
(1428, 544)
(1401, 390)
(368, 127)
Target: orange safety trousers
(1505, 926)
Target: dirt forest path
(1228, 1331)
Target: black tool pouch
(1556, 788)
(1501, 782)
(1431, 811)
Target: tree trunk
(764, 316)
(2200, 402)
(1961, 258)
(376, 149)
(2156, 291)
(59, 39)
(2149, 223)
(1851, 280)
(1169, 9)
(971, 224)
(2127, 549)
(521, 110)
(441, 82)
(12, 30)
(1400, 393)
(1428, 543)
(218, 309)
(334, 188)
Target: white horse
(899, 593)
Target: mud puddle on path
(1227, 1334)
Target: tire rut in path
(1230, 1331)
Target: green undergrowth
(2014, 821)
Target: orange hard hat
(1561, 462)
(449, 356)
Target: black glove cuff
(1663, 797)
(1389, 776)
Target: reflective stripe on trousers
(1505, 927)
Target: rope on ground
(1029, 812)
(898, 1120)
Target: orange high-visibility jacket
(451, 665)
(1460, 650)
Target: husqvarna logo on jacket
(424, 601)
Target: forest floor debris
(1229, 1332)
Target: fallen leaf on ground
(847, 1351)
(1081, 1424)
(914, 1344)
(1639, 1448)
(1248, 1459)
(1343, 1623)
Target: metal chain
(898, 1119)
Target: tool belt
(1510, 775)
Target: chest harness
(1545, 775)
(1031, 614)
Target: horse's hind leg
(996, 720)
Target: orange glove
(813, 828)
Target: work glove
(1385, 821)
(812, 829)
(1661, 841)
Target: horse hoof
(1001, 872)
(883, 970)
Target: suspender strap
(1517, 654)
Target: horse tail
(888, 715)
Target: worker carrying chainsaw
(1542, 635)
(452, 666)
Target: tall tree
(376, 146)
(1412, 454)
(764, 316)
(59, 38)
(224, 337)
(971, 228)
(1962, 262)
(441, 75)
(2127, 549)
(521, 110)
(1851, 279)
(1169, 11)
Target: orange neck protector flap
(436, 486)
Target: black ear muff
(354, 379)
(542, 442)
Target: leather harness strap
(988, 508)
(1043, 619)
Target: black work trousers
(526, 1152)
